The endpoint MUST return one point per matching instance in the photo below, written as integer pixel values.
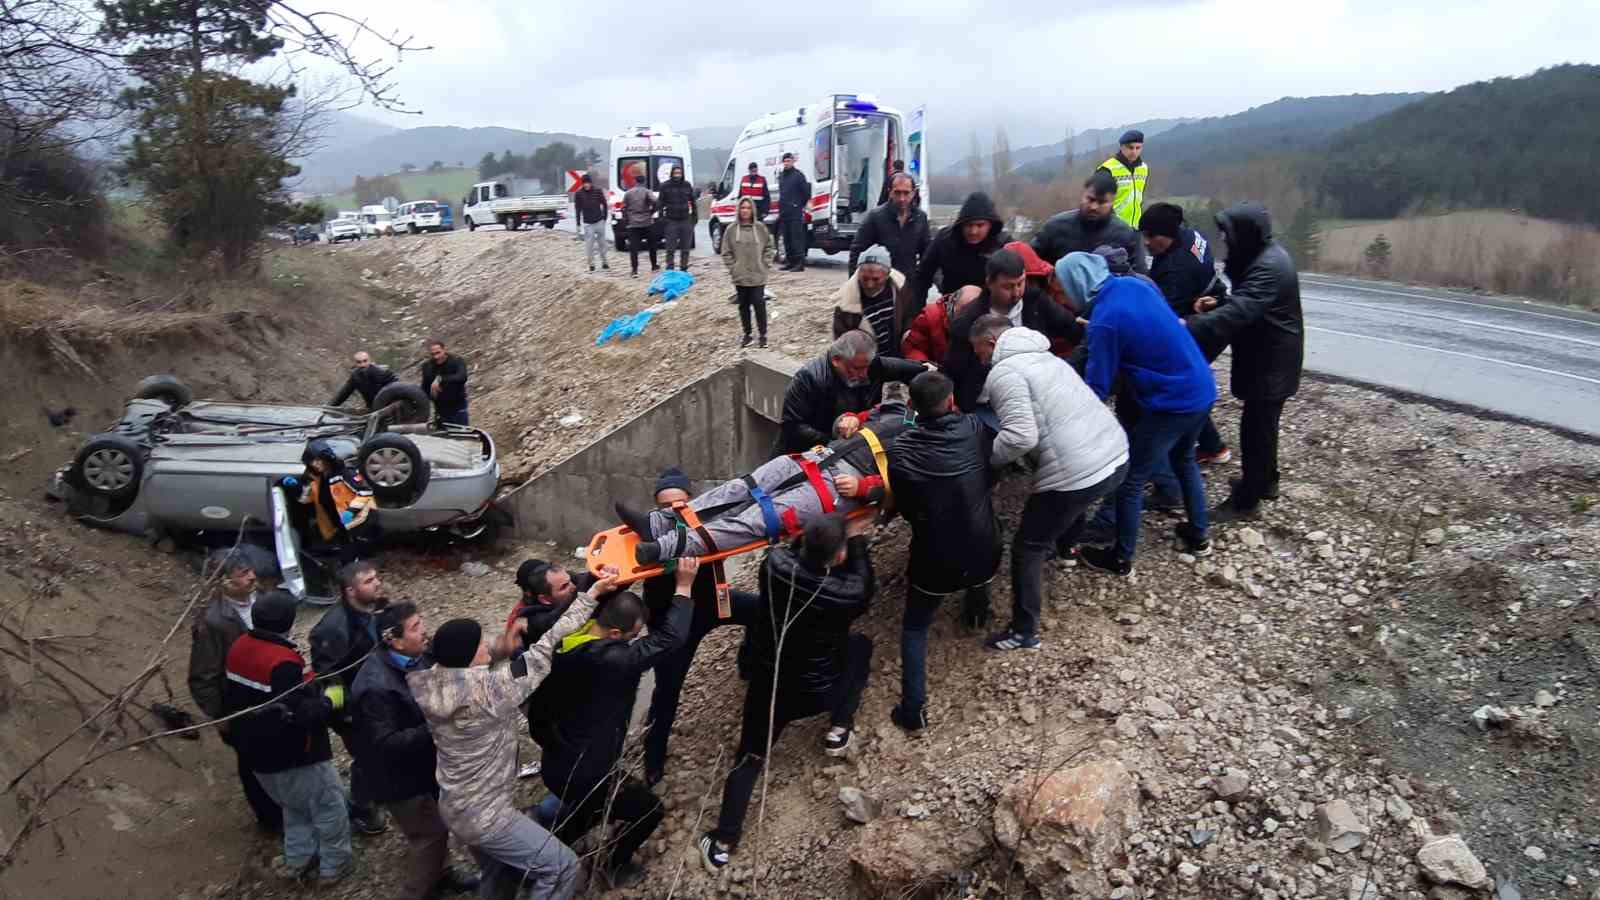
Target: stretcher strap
(791, 521)
(769, 512)
(814, 475)
(882, 459)
(724, 601)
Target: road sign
(574, 180)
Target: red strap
(868, 483)
(814, 475)
(791, 521)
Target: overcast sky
(594, 67)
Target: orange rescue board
(614, 547)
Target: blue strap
(769, 512)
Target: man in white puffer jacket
(1072, 441)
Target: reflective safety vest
(1129, 204)
(755, 187)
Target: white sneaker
(529, 770)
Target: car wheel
(394, 467)
(166, 388)
(510, 224)
(471, 225)
(110, 466)
(549, 225)
(415, 405)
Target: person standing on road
(794, 198)
(747, 252)
(1128, 167)
(638, 218)
(590, 204)
(754, 186)
(220, 623)
(1261, 318)
(1089, 226)
(444, 377)
(400, 753)
(960, 252)
(340, 640)
(366, 378)
(676, 200)
(898, 226)
(1078, 451)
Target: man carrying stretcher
(777, 499)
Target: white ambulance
(845, 145)
(644, 152)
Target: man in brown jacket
(220, 623)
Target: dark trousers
(584, 806)
(427, 845)
(673, 669)
(641, 239)
(921, 606)
(840, 703)
(1161, 441)
(453, 416)
(1258, 443)
(678, 235)
(1210, 438)
(361, 802)
(1049, 520)
(752, 298)
(268, 814)
(794, 239)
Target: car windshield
(425, 207)
(656, 168)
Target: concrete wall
(717, 428)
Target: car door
(286, 546)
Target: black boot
(637, 521)
(647, 553)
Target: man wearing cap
(875, 300)
(1130, 170)
(285, 742)
(754, 186)
(590, 204)
(472, 706)
(897, 224)
(794, 196)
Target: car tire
(549, 225)
(416, 408)
(413, 229)
(166, 388)
(471, 225)
(394, 468)
(109, 466)
(509, 224)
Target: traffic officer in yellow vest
(754, 186)
(1129, 169)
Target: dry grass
(1490, 250)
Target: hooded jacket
(906, 243)
(1039, 312)
(817, 397)
(1049, 415)
(1069, 232)
(473, 713)
(366, 381)
(747, 251)
(676, 200)
(957, 262)
(1133, 334)
(394, 741)
(816, 642)
(943, 487)
(1261, 316)
(1186, 271)
(579, 716)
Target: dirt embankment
(1421, 565)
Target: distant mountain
(334, 168)
(343, 129)
(1286, 125)
(1083, 142)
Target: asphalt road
(1526, 360)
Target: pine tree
(1304, 238)
(1377, 255)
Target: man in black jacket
(958, 253)
(366, 378)
(899, 226)
(589, 202)
(547, 591)
(1006, 292)
(583, 710)
(1262, 319)
(794, 197)
(943, 488)
(1091, 225)
(444, 377)
(811, 591)
(285, 741)
(340, 640)
(829, 396)
(675, 199)
(399, 753)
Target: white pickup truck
(513, 203)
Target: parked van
(418, 216)
(845, 145)
(648, 153)
(377, 221)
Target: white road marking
(1472, 322)
(1472, 356)
(1521, 312)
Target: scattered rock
(1029, 712)
(1398, 809)
(1289, 735)
(858, 806)
(1536, 854)
(1361, 888)
(1433, 537)
(571, 420)
(1231, 786)
(1338, 828)
(1485, 716)
(1076, 823)
(1447, 860)
(1159, 708)
(1188, 871)
(1199, 837)
(1317, 537)
(1429, 509)
(1128, 617)
(1450, 892)
(474, 569)
(897, 857)
(1544, 699)
(1251, 538)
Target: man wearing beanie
(285, 743)
(871, 301)
(1128, 167)
(473, 707)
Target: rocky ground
(1402, 650)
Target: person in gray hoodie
(747, 252)
(1073, 443)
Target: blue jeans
(920, 609)
(1161, 439)
(315, 822)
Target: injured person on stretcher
(777, 499)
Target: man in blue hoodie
(1133, 334)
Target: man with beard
(1091, 225)
(829, 396)
(900, 227)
